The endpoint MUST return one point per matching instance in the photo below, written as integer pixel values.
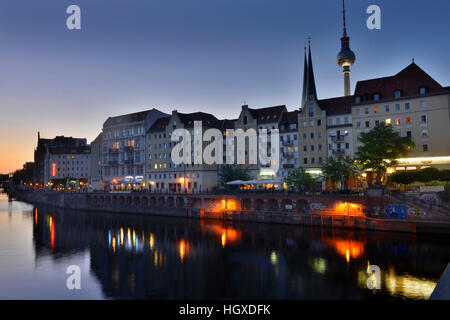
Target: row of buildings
(134, 150)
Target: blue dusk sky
(191, 55)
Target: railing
(128, 149)
(113, 163)
(337, 139)
(288, 143)
(288, 166)
(114, 150)
(128, 161)
(338, 151)
(288, 155)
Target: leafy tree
(380, 148)
(232, 173)
(404, 177)
(299, 180)
(428, 174)
(338, 170)
(25, 174)
(444, 175)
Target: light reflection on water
(124, 256)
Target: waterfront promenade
(336, 211)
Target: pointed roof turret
(305, 80)
(310, 84)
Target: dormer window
(358, 100)
(311, 111)
(245, 120)
(422, 90)
(376, 96)
(397, 94)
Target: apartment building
(123, 149)
(96, 181)
(289, 143)
(62, 160)
(415, 105)
(162, 173)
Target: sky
(196, 55)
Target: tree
(299, 180)
(404, 177)
(232, 173)
(380, 148)
(428, 174)
(444, 175)
(25, 174)
(338, 170)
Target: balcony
(128, 161)
(113, 162)
(114, 150)
(128, 149)
(288, 143)
(288, 166)
(337, 139)
(288, 155)
(338, 152)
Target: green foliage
(232, 173)
(420, 175)
(25, 174)
(299, 180)
(380, 148)
(339, 170)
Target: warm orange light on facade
(348, 208)
(53, 169)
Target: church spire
(310, 83)
(305, 79)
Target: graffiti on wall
(396, 212)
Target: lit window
(408, 120)
(397, 121)
(388, 121)
(376, 110)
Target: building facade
(123, 150)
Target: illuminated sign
(53, 169)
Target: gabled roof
(227, 124)
(290, 117)
(207, 119)
(267, 115)
(337, 106)
(160, 124)
(126, 118)
(408, 80)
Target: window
(357, 111)
(422, 90)
(358, 100)
(347, 145)
(345, 120)
(425, 148)
(408, 134)
(304, 136)
(388, 121)
(377, 122)
(408, 120)
(367, 124)
(312, 135)
(311, 111)
(358, 124)
(366, 110)
(245, 120)
(338, 120)
(376, 110)
(423, 104)
(320, 147)
(407, 106)
(330, 122)
(376, 96)
(423, 118)
(312, 147)
(305, 160)
(424, 133)
(398, 122)
(319, 123)
(397, 107)
(305, 148)
(386, 108)
(397, 94)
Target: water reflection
(166, 258)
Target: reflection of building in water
(170, 258)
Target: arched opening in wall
(170, 201)
(287, 205)
(129, 201)
(137, 201)
(161, 202)
(95, 200)
(122, 201)
(108, 200)
(144, 201)
(102, 200)
(259, 204)
(114, 200)
(272, 205)
(180, 202)
(153, 201)
(302, 205)
(246, 204)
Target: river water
(136, 257)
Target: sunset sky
(197, 55)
